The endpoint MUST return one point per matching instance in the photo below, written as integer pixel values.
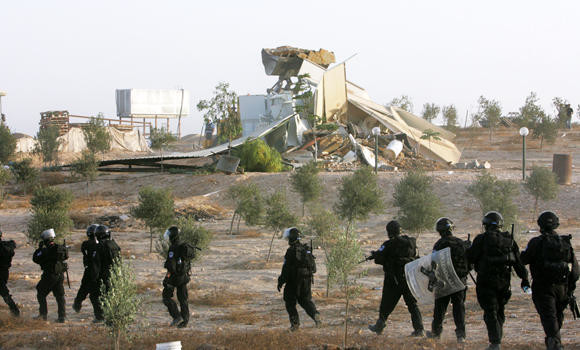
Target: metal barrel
(562, 167)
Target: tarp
(74, 141)
(25, 144)
(432, 277)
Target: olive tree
(418, 204)
(249, 204)
(221, 110)
(449, 116)
(489, 111)
(545, 129)
(5, 176)
(156, 209)
(24, 173)
(47, 143)
(278, 216)
(50, 207)
(7, 144)
(494, 194)
(190, 231)
(404, 102)
(120, 301)
(306, 183)
(358, 196)
(159, 139)
(96, 135)
(430, 111)
(541, 184)
(86, 167)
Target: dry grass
(250, 234)
(260, 264)
(95, 202)
(144, 287)
(16, 202)
(220, 297)
(245, 317)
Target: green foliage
(531, 112)
(429, 134)
(358, 196)
(545, 129)
(560, 104)
(160, 138)
(418, 204)
(328, 126)
(190, 231)
(343, 259)
(449, 115)
(5, 176)
(542, 184)
(156, 209)
(50, 207)
(256, 155)
(278, 215)
(24, 173)
(86, 166)
(404, 102)
(495, 194)
(47, 143)
(430, 111)
(96, 135)
(249, 204)
(7, 144)
(120, 301)
(489, 112)
(306, 183)
(221, 110)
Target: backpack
(498, 253)
(458, 249)
(306, 261)
(555, 257)
(61, 255)
(406, 250)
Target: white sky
(72, 55)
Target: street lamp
(376, 131)
(524, 132)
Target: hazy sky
(72, 55)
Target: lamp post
(524, 132)
(376, 131)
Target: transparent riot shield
(432, 277)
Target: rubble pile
(321, 57)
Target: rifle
(469, 272)
(574, 306)
(370, 257)
(66, 265)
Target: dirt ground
(233, 296)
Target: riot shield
(432, 277)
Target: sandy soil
(233, 289)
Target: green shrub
(494, 194)
(96, 136)
(190, 231)
(156, 209)
(306, 183)
(7, 144)
(50, 207)
(249, 204)
(418, 204)
(257, 156)
(278, 216)
(542, 184)
(5, 176)
(48, 142)
(24, 174)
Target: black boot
(294, 324)
(553, 343)
(378, 327)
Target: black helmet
(393, 228)
(102, 232)
(91, 230)
(292, 234)
(444, 225)
(492, 219)
(171, 234)
(548, 221)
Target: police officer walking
(458, 249)
(108, 251)
(178, 265)
(397, 251)
(296, 277)
(90, 281)
(553, 282)
(51, 258)
(494, 253)
(6, 254)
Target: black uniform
(393, 255)
(549, 256)
(51, 258)
(297, 276)
(90, 283)
(178, 265)
(494, 253)
(6, 254)
(108, 250)
(458, 249)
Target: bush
(7, 144)
(358, 196)
(96, 136)
(494, 194)
(278, 216)
(87, 167)
(50, 207)
(47, 146)
(156, 208)
(418, 205)
(189, 232)
(542, 184)
(24, 173)
(5, 176)
(249, 204)
(256, 155)
(120, 300)
(306, 183)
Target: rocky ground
(233, 295)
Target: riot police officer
(493, 254)
(108, 251)
(90, 281)
(393, 254)
(178, 265)
(458, 249)
(553, 281)
(296, 277)
(6, 254)
(51, 257)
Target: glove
(280, 285)
(40, 244)
(525, 284)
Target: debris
(349, 157)
(474, 164)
